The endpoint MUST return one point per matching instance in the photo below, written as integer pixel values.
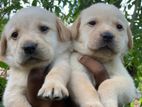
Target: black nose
(30, 48)
(107, 36)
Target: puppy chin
(31, 62)
(103, 53)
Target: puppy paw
(92, 104)
(53, 90)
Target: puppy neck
(44, 69)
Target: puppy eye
(14, 35)
(43, 28)
(119, 26)
(92, 23)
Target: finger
(99, 71)
(92, 65)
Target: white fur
(119, 88)
(50, 49)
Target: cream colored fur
(119, 88)
(53, 47)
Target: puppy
(34, 38)
(102, 32)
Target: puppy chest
(18, 78)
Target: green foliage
(138, 101)
(68, 10)
(2, 86)
(1, 104)
(3, 65)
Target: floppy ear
(3, 45)
(75, 28)
(130, 39)
(63, 31)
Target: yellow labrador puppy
(32, 38)
(101, 31)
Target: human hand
(35, 81)
(99, 71)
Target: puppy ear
(3, 45)
(130, 39)
(75, 28)
(63, 31)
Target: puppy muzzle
(31, 53)
(107, 37)
(107, 41)
(30, 48)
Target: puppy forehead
(37, 13)
(31, 15)
(104, 11)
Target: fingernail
(80, 57)
(83, 59)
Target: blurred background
(68, 10)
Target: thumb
(91, 64)
(98, 70)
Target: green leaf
(34, 3)
(3, 65)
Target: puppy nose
(107, 36)
(30, 48)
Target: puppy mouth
(32, 60)
(105, 48)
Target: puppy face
(31, 37)
(102, 31)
